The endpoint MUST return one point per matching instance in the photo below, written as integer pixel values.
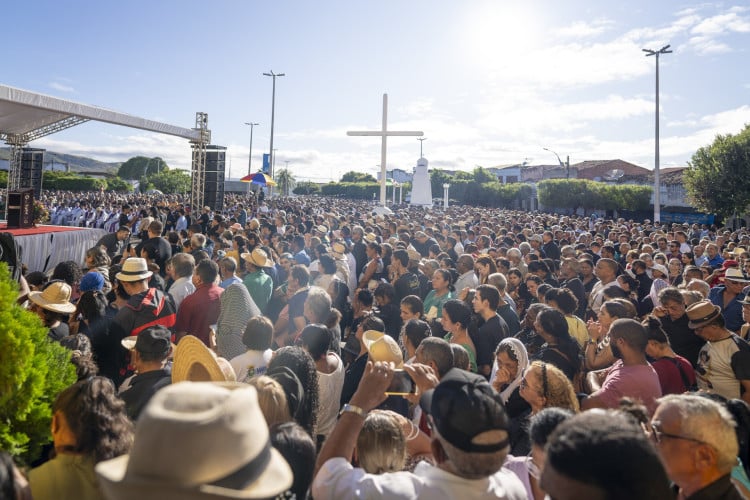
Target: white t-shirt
(251, 364)
(337, 480)
(181, 288)
(716, 372)
(329, 394)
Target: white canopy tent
(26, 116)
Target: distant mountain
(78, 164)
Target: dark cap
(154, 340)
(463, 406)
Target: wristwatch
(347, 408)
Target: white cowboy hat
(55, 298)
(134, 269)
(198, 441)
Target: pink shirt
(637, 382)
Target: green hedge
(33, 370)
(591, 195)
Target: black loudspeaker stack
(32, 164)
(213, 187)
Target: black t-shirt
(142, 387)
(683, 339)
(406, 284)
(487, 337)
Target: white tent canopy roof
(23, 112)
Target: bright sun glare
(497, 33)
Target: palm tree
(285, 180)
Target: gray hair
(499, 281)
(473, 465)
(707, 421)
(319, 303)
(700, 286)
(514, 253)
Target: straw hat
(198, 441)
(257, 257)
(701, 313)
(382, 347)
(195, 362)
(55, 298)
(371, 237)
(134, 269)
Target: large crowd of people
(312, 346)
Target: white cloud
(722, 23)
(583, 29)
(61, 87)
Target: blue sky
(489, 82)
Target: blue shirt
(732, 312)
(230, 281)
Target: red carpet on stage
(38, 230)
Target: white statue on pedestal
(421, 189)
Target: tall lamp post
(565, 165)
(446, 186)
(657, 182)
(421, 140)
(273, 112)
(250, 156)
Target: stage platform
(43, 247)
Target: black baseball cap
(463, 406)
(154, 340)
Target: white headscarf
(519, 352)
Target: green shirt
(260, 286)
(65, 477)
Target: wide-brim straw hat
(257, 257)
(194, 362)
(198, 441)
(55, 298)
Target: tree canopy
(138, 167)
(169, 181)
(353, 176)
(717, 180)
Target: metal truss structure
(19, 141)
(198, 167)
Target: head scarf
(519, 352)
(237, 307)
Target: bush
(118, 185)
(33, 370)
(71, 182)
(306, 187)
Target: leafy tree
(306, 187)
(169, 181)
(437, 179)
(32, 372)
(141, 166)
(118, 185)
(353, 176)
(717, 180)
(285, 180)
(482, 175)
(3, 179)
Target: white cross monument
(383, 133)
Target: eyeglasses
(657, 435)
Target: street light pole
(566, 165)
(657, 182)
(421, 140)
(446, 186)
(250, 156)
(273, 112)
